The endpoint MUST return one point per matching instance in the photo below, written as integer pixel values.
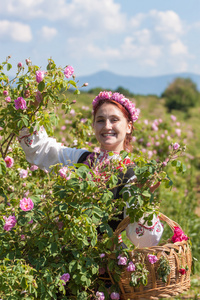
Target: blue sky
(127, 37)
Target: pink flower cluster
(122, 260)
(120, 98)
(115, 296)
(65, 277)
(179, 235)
(20, 103)
(39, 76)
(100, 295)
(131, 267)
(26, 204)
(9, 222)
(152, 258)
(9, 161)
(23, 173)
(63, 173)
(69, 70)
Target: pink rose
(33, 167)
(8, 99)
(5, 93)
(65, 277)
(23, 173)
(19, 64)
(28, 61)
(178, 235)
(26, 204)
(176, 146)
(182, 271)
(122, 261)
(9, 222)
(131, 267)
(20, 103)
(173, 118)
(100, 295)
(39, 76)
(69, 70)
(152, 258)
(102, 255)
(63, 173)
(115, 295)
(9, 161)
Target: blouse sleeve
(45, 151)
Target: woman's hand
(154, 187)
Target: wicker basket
(178, 255)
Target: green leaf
(41, 86)
(146, 194)
(9, 66)
(2, 167)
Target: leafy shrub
(181, 94)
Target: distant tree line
(181, 94)
(120, 90)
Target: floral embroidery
(139, 230)
(158, 228)
(28, 141)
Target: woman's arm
(44, 151)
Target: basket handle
(125, 222)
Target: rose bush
(50, 222)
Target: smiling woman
(114, 116)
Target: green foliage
(163, 269)
(61, 233)
(181, 94)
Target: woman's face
(111, 127)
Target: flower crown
(130, 106)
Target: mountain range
(154, 85)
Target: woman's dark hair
(127, 141)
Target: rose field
(50, 220)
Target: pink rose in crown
(26, 204)
(179, 235)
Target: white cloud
(89, 14)
(48, 33)
(178, 48)
(15, 31)
(167, 24)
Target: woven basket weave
(178, 255)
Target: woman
(113, 118)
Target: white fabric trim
(45, 151)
